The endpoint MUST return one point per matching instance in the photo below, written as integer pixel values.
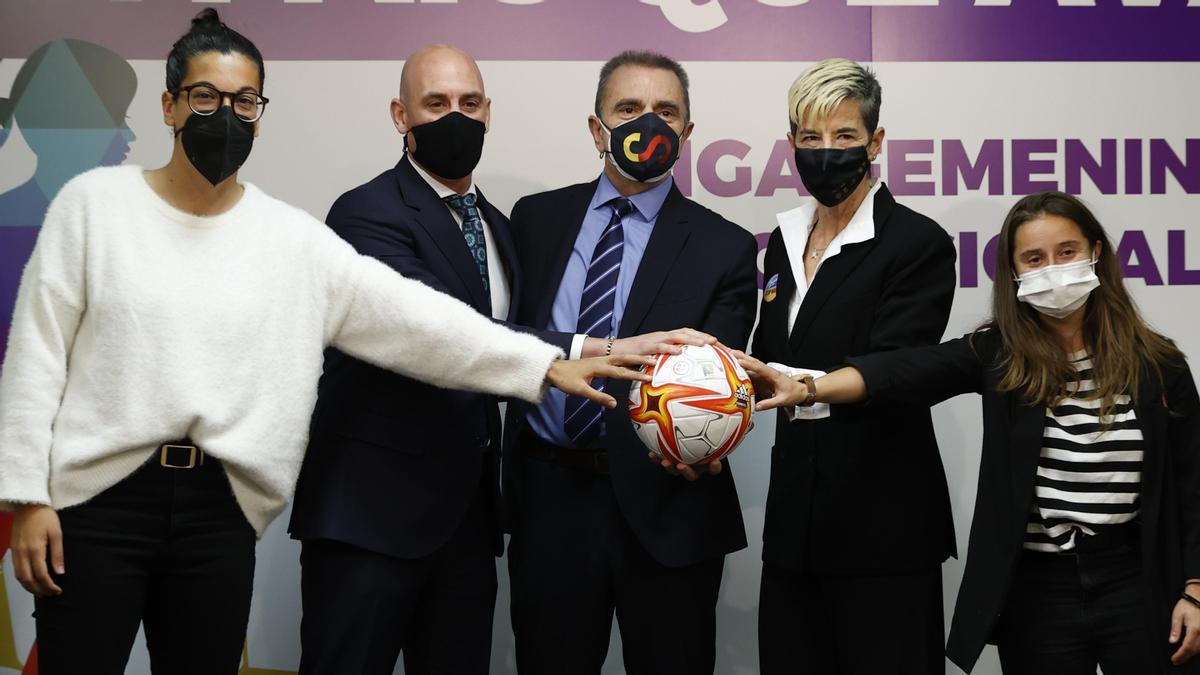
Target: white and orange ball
(696, 407)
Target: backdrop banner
(983, 102)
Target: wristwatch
(810, 388)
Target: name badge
(772, 288)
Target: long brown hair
(1122, 347)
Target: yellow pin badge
(771, 289)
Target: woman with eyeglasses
(1085, 543)
(162, 366)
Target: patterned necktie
(582, 418)
(472, 229)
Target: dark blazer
(1169, 415)
(698, 271)
(393, 463)
(862, 491)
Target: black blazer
(698, 271)
(862, 491)
(1169, 415)
(393, 463)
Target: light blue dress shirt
(546, 420)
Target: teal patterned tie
(472, 229)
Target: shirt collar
(861, 227)
(647, 203)
(442, 191)
(796, 225)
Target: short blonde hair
(823, 86)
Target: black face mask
(829, 174)
(217, 144)
(450, 146)
(645, 148)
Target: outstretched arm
(776, 390)
(403, 325)
(925, 375)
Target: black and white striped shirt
(1089, 477)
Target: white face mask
(1058, 290)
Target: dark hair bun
(208, 34)
(206, 20)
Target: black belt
(181, 454)
(591, 461)
(1107, 538)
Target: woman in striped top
(1089, 475)
(1085, 542)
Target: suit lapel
(559, 229)
(667, 240)
(1028, 423)
(830, 278)
(503, 240)
(434, 217)
(835, 270)
(773, 321)
(1151, 411)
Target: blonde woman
(857, 508)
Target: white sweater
(137, 323)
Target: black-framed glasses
(205, 99)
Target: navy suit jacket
(699, 271)
(393, 463)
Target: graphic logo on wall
(68, 103)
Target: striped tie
(582, 418)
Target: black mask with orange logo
(643, 149)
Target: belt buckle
(193, 452)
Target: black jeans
(169, 548)
(1068, 613)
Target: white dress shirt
(796, 226)
(497, 275)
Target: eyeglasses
(205, 99)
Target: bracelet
(810, 388)
(1190, 599)
(608, 348)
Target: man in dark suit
(397, 502)
(858, 513)
(596, 527)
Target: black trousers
(1068, 613)
(850, 624)
(361, 608)
(167, 548)
(573, 562)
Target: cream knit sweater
(137, 324)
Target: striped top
(1088, 477)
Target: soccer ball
(695, 408)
